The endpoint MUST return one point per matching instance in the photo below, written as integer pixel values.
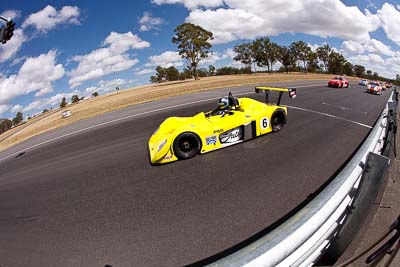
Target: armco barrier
(304, 237)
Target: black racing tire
(278, 120)
(186, 145)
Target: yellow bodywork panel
(249, 119)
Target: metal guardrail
(304, 237)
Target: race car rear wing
(266, 89)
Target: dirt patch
(122, 99)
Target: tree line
(297, 57)
(194, 45)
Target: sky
(62, 48)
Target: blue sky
(61, 48)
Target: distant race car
(388, 85)
(66, 113)
(235, 120)
(363, 82)
(338, 82)
(374, 88)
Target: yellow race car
(234, 120)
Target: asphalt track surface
(86, 195)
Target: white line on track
(331, 116)
(161, 109)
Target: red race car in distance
(339, 82)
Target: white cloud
(370, 59)
(105, 86)
(106, 60)
(55, 100)
(353, 47)
(35, 105)
(147, 22)
(248, 19)
(16, 108)
(36, 74)
(144, 71)
(10, 49)
(13, 14)
(191, 4)
(390, 18)
(48, 18)
(3, 108)
(216, 56)
(44, 91)
(122, 42)
(166, 59)
(371, 46)
(385, 67)
(375, 46)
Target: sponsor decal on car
(218, 131)
(211, 140)
(231, 136)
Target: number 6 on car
(234, 121)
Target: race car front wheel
(186, 145)
(278, 120)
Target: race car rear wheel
(278, 120)
(186, 145)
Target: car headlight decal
(162, 145)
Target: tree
(63, 103)
(45, 110)
(375, 75)
(153, 79)
(285, 57)
(185, 74)
(398, 77)
(172, 74)
(273, 54)
(369, 73)
(95, 94)
(300, 51)
(193, 44)
(336, 63)
(323, 53)
(161, 74)
(232, 71)
(211, 70)
(5, 125)
(267, 53)
(348, 69)
(312, 62)
(245, 53)
(75, 99)
(359, 70)
(202, 72)
(18, 119)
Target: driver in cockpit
(222, 108)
